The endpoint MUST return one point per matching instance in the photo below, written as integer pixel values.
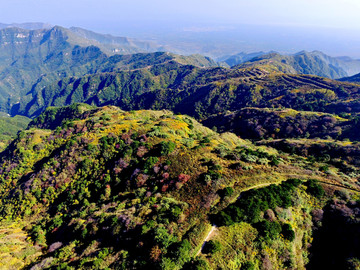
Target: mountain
(128, 179)
(313, 63)
(28, 26)
(233, 60)
(38, 57)
(352, 79)
(99, 188)
(199, 92)
(35, 58)
(118, 45)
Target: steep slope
(100, 187)
(39, 57)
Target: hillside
(313, 63)
(199, 92)
(153, 160)
(352, 79)
(39, 57)
(9, 127)
(259, 123)
(104, 188)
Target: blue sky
(328, 13)
(243, 25)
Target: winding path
(214, 228)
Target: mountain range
(115, 155)
(32, 59)
(35, 58)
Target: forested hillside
(198, 92)
(101, 187)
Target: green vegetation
(315, 63)
(253, 202)
(104, 188)
(314, 188)
(131, 172)
(9, 127)
(33, 59)
(288, 232)
(212, 247)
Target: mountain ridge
(36, 58)
(198, 92)
(303, 62)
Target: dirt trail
(214, 228)
(260, 185)
(209, 235)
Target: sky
(326, 13)
(157, 18)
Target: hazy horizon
(209, 26)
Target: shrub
(149, 163)
(263, 161)
(228, 191)
(288, 232)
(253, 202)
(314, 188)
(250, 158)
(181, 252)
(205, 140)
(162, 237)
(324, 168)
(222, 219)
(38, 235)
(197, 264)
(176, 212)
(167, 147)
(212, 246)
(247, 266)
(274, 162)
(269, 230)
